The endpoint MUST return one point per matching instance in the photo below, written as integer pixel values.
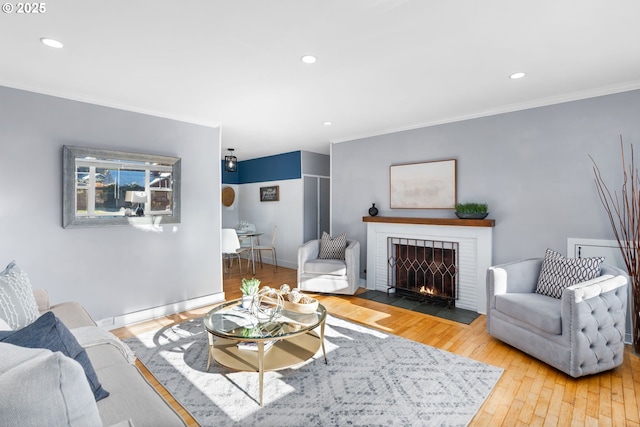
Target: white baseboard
(161, 311)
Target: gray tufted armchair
(580, 334)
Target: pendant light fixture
(230, 162)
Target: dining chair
(271, 248)
(231, 248)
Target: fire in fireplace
(423, 269)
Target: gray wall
(315, 164)
(114, 270)
(532, 167)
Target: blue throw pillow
(50, 333)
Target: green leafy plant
(472, 208)
(250, 286)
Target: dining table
(252, 235)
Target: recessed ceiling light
(51, 42)
(515, 76)
(308, 59)
(327, 123)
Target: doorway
(316, 206)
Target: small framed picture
(270, 194)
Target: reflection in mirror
(117, 188)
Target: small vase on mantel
(373, 211)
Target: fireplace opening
(423, 269)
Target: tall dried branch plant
(624, 214)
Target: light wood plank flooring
(529, 392)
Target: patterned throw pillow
(558, 272)
(332, 248)
(18, 306)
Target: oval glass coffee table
(242, 343)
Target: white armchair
(329, 275)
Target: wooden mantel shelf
(432, 221)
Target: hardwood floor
(529, 392)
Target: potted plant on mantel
(624, 214)
(249, 288)
(472, 210)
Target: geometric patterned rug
(371, 379)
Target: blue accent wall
(272, 168)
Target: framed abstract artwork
(426, 185)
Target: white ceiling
(383, 65)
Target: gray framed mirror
(105, 188)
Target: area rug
(456, 314)
(371, 379)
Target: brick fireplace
(456, 267)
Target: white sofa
(332, 276)
(132, 401)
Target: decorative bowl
(301, 308)
(479, 215)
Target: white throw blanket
(89, 336)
